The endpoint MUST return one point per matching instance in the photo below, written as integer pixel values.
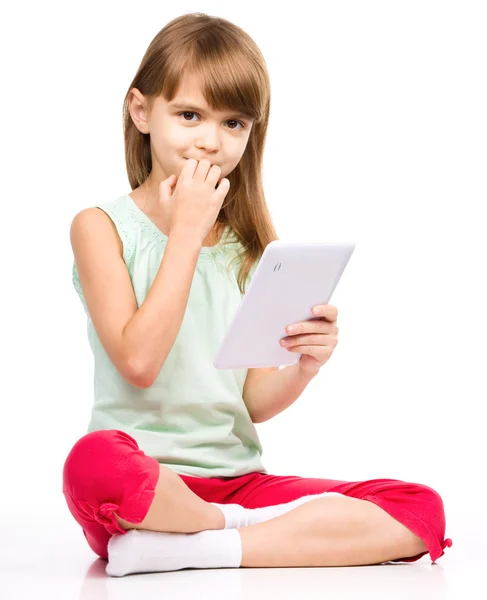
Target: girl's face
(186, 128)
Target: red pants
(106, 472)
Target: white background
(377, 135)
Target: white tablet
(290, 279)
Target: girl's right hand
(192, 203)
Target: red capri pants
(107, 472)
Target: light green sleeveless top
(193, 418)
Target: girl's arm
(137, 340)
(274, 392)
(152, 331)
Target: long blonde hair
(234, 76)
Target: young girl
(169, 475)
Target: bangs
(227, 77)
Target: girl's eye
(229, 121)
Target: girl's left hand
(314, 339)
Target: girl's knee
(106, 472)
(422, 501)
(434, 509)
(91, 461)
(430, 521)
(88, 457)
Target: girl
(169, 474)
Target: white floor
(52, 560)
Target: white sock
(144, 551)
(239, 516)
